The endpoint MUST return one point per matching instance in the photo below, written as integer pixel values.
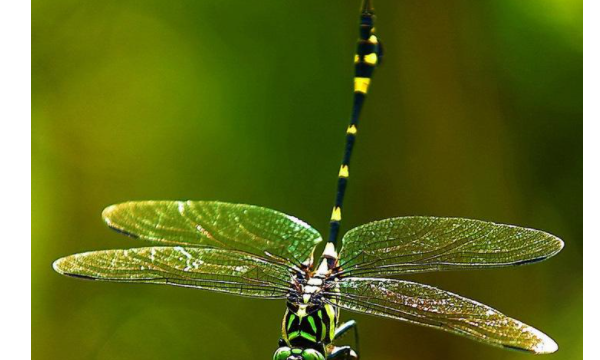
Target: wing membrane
(247, 228)
(419, 244)
(203, 268)
(429, 306)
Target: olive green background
(476, 112)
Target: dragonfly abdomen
(368, 55)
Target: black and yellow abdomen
(369, 53)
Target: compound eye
(282, 353)
(312, 354)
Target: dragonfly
(257, 252)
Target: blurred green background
(477, 112)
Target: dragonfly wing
(419, 244)
(252, 229)
(429, 306)
(203, 268)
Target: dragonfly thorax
(309, 291)
(310, 319)
(309, 326)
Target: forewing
(419, 244)
(203, 268)
(252, 229)
(429, 306)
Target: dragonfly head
(288, 353)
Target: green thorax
(309, 326)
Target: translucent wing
(247, 228)
(429, 306)
(203, 268)
(418, 244)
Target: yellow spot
(329, 251)
(371, 59)
(336, 215)
(356, 59)
(373, 39)
(323, 334)
(323, 268)
(290, 321)
(332, 320)
(284, 332)
(351, 130)
(344, 171)
(361, 84)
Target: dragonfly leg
(344, 328)
(343, 353)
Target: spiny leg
(344, 328)
(342, 353)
